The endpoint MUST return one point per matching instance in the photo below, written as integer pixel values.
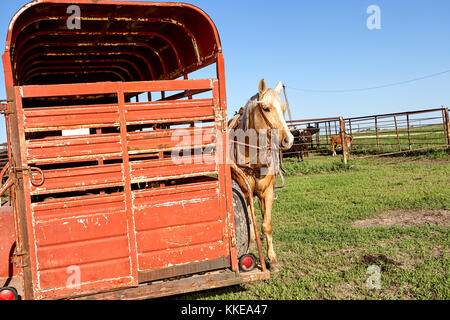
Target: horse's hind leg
(267, 228)
(252, 230)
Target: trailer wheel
(241, 220)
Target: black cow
(302, 141)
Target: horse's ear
(279, 87)
(262, 87)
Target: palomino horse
(264, 116)
(336, 141)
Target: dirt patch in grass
(409, 218)
(377, 258)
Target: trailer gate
(95, 182)
(110, 190)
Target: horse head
(271, 110)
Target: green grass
(323, 255)
(293, 167)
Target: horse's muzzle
(287, 142)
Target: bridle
(255, 171)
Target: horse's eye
(265, 108)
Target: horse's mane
(249, 106)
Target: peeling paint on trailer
(100, 202)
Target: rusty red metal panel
(181, 236)
(64, 149)
(59, 90)
(187, 212)
(169, 111)
(7, 242)
(78, 206)
(162, 140)
(177, 256)
(79, 233)
(179, 225)
(148, 170)
(80, 228)
(154, 196)
(81, 178)
(57, 118)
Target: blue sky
(326, 45)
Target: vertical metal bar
(186, 77)
(287, 103)
(335, 127)
(220, 71)
(351, 133)
(100, 159)
(162, 126)
(317, 136)
(447, 125)
(23, 199)
(444, 123)
(376, 133)
(329, 129)
(127, 187)
(343, 139)
(396, 132)
(409, 133)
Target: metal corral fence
(312, 136)
(375, 135)
(399, 132)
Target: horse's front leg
(333, 149)
(267, 199)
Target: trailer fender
(7, 242)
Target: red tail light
(247, 262)
(8, 293)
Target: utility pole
(287, 103)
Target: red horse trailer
(118, 182)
